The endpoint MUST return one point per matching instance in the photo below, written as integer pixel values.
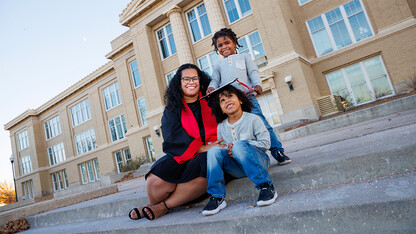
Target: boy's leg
(215, 174)
(253, 163)
(216, 183)
(276, 147)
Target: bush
(133, 164)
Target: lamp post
(14, 180)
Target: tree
(7, 193)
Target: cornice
(135, 9)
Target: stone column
(179, 33)
(216, 19)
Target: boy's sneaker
(267, 195)
(282, 159)
(214, 206)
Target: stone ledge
(40, 207)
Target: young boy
(241, 66)
(245, 140)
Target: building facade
(361, 50)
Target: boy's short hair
(214, 102)
(224, 32)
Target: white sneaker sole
(268, 202)
(212, 212)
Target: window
(340, 27)
(135, 73)
(269, 108)
(22, 140)
(170, 76)
(56, 154)
(59, 180)
(252, 45)
(122, 157)
(301, 2)
(150, 149)
(207, 62)
(142, 110)
(26, 164)
(237, 9)
(90, 171)
(166, 42)
(80, 113)
(198, 23)
(85, 141)
(28, 189)
(52, 128)
(118, 128)
(112, 96)
(361, 82)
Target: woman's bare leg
(157, 189)
(184, 192)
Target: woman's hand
(205, 148)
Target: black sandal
(151, 212)
(137, 213)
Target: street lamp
(14, 180)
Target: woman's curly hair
(224, 32)
(174, 93)
(214, 102)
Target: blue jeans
(275, 144)
(247, 161)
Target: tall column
(181, 40)
(216, 19)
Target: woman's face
(190, 83)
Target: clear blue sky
(45, 47)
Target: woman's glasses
(188, 79)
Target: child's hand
(230, 149)
(258, 89)
(210, 89)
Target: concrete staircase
(358, 178)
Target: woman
(189, 130)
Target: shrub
(133, 164)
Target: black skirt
(170, 171)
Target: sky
(45, 47)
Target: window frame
(348, 26)
(149, 145)
(122, 124)
(250, 45)
(124, 160)
(54, 156)
(83, 114)
(116, 88)
(81, 140)
(367, 80)
(133, 76)
(61, 183)
(94, 169)
(301, 4)
(167, 41)
(166, 76)
(52, 128)
(210, 62)
(26, 165)
(23, 140)
(143, 119)
(198, 19)
(238, 8)
(27, 188)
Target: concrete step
(352, 158)
(347, 119)
(382, 205)
(380, 147)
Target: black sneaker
(267, 195)
(282, 159)
(214, 206)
